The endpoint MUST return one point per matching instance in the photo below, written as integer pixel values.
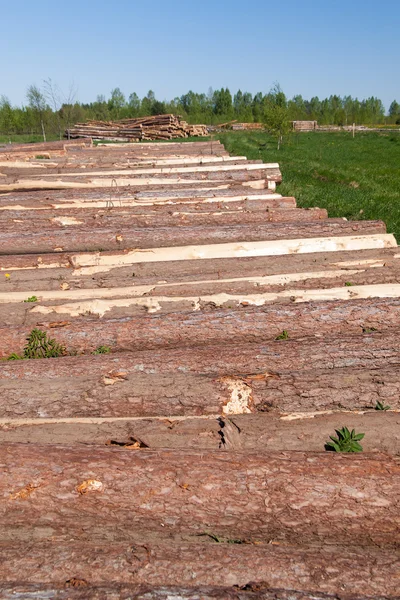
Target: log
(333, 570)
(180, 329)
(286, 375)
(35, 267)
(188, 198)
(270, 170)
(121, 182)
(81, 239)
(295, 432)
(75, 589)
(34, 220)
(287, 497)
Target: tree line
(49, 110)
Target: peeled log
(333, 570)
(290, 498)
(82, 239)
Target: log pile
(304, 125)
(247, 126)
(159, 127)
(207, 337)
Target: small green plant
(369, 329)
(283, 336)
(102, 350)
(14, 356)
(346, 441)
(348, 283)
(41, 157)
(31, 299)
(40, 346)
(381, 406)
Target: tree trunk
(61, 493)
(86, 239)
(285, 375)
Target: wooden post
(354, 130)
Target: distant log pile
(304, 125)
(159, 127)
(236, 126)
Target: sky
(310, 47)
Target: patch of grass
(348, 283)
(346, 441)
(354, 178)
(26, 138)
(102, 350)
(283, 336)
(369, 329)
(31, 299)
(381, 406)
(39, 346)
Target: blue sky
(311, 47)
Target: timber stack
(179, 342)
(159, 127)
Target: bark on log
(205, 191)
(80, 589)
(147, 331)
(35, 267)
(305, 375)
(63, 166)
(71, 219)
(120, 495)
(271, 432)
(347, 574)
(120, 238)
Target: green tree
(37, 103)
(116, 103)
(276, 114)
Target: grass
(354, 178)
(26, 138)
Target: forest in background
(49, 110)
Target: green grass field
(355, 178)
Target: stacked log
(247, 126)
(207, 337)
(159, 127)
(304, 125)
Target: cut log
(36, 267)
(88, 218)
(61, 493)
(174, 329)
(333, 570)
(80, 239)
(304, 375)
(80, 589)
(272, 432)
